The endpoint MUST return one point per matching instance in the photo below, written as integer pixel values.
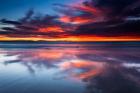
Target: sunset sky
(70, 20)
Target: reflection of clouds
(116, 79)
(110, 70)
(82, 68)
(132, 65)
(4, 58)
(38, 58)
(51, 57)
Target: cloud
(99, 18)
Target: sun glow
(81, 38)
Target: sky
(14, 9)
(70, 20)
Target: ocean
(69, 67)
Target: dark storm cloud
(118, 8)
(4, 21)
(122, 28)
(115, 13)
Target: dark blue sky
(14, 9)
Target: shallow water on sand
(69, 68)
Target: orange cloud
(51, 29)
